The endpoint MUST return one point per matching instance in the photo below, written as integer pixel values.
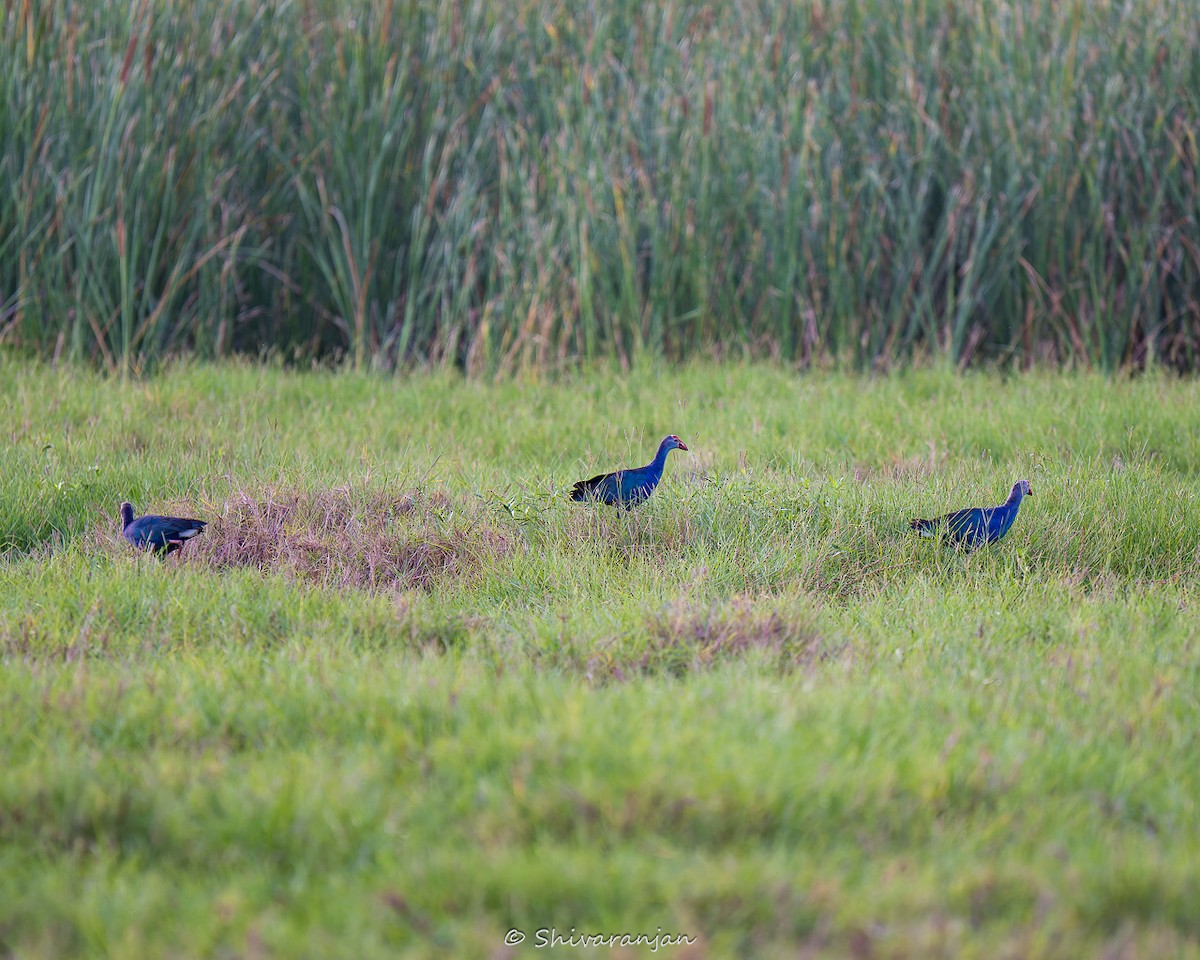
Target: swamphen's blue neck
(660, 458)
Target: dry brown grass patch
(716, 633)
(367, 540)
(684, 639)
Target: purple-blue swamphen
(627, 488)
(976, 526)
(159, 534)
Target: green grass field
(402, 697)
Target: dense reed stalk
(519, 184)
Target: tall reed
(520, 185)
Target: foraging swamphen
(976, 526)
(159, 534)
(628, 487)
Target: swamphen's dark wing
(593, 488)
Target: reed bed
(521, 185)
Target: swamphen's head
(674, 443)
(1023, 486)
(126, 514)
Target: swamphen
(628, 487)
(160, 534)
(976, 526)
